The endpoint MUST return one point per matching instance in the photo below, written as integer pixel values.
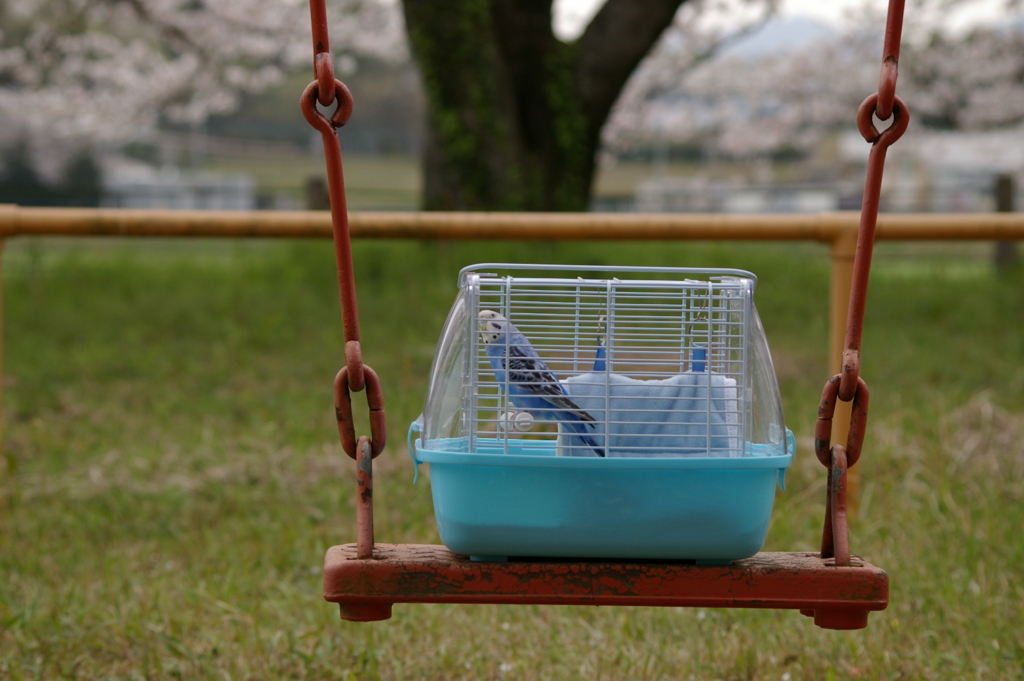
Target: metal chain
(848, 385)
(328, 91)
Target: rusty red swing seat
(835, 588)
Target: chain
(328, 91)
(848, 385)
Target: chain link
(848, 385)
(890, 60)
(323, 64)
(343, 411)
(327, 91)
(858, 422)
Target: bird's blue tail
(580, 428)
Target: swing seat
(836, 597)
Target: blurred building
(944, 171)
(129, 184)
(686, 195)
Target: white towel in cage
(674, 416)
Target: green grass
(171, 476)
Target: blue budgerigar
(531, 385)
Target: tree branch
(617, 39)
(702, 53)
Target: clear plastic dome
(443, 417)
(766, 423)
(626, 364)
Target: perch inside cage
(614, 413)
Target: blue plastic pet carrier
(603, 412)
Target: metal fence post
(1005, 251)
(1, 346)
(844, 248)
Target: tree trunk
(516, 114)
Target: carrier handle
(791, 451)
(486, 269)
(414, 427)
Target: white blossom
(743, 107)
(79, 73)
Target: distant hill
(782, 34)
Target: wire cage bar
(660, 365)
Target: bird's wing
(533, 376)
(564, 403)
(528, 369)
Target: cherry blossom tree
(516, 113)
(743, 107)
(94, 73)
(77, 73)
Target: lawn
(171, 475)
